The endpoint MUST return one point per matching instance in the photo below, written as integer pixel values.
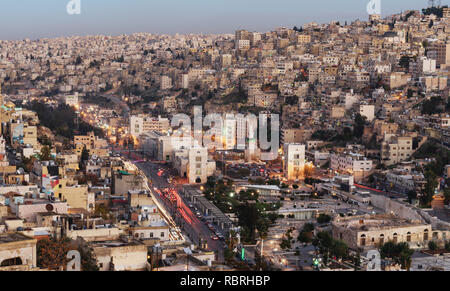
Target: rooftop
(12, 237)
(374, 222)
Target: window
(363, 240)
(11, 262)
(425, 235)
(395, 238)
(151, 234)
(381, 239)
(162, 234)
(408, 237)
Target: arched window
(363, 240)
(425, 235)
(408, 237)
(17, 261)
(381, 239)
(395, 238)
(198, 180)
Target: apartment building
(351, 163)
(396, 149)
(294, 161)
(440, 51)
(142, 123)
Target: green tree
(432, 246)
(339, 249)
(404, 62)
(400, 252)
(359, 123)
(84, 157)
(88, 258)
(45, 154)
(323, 218)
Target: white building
(368, 111)
(193, 163)
(142, 123)
(351, 163)
(166, 83)
(294, 161)
(185, 81)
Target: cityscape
(317, 147)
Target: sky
(33, 19)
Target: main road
(183, 215)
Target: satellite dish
(49, 207)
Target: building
(372, 231)
(185, 81)
(199, 168)
(140, 124)
(351, 163)
(17, 252)
(166, 83)
(121, 256)
(396, 149)
(367, 111)
(76, 196)
(294, 161)
(440, 52)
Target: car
(214, 237)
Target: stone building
(17, 252)
(372, 231)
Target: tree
(248, 218)
(432, 246)
(45, 154)
(400, 252)
(84, 157)
(52, 253)
(359, 123)
(411, 196)
(305, 235)
(404, 62)
(323, 218)
(88, 258)
(339, 249)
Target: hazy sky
(33, 19)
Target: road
(183, 215)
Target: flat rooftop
(374, 222)
(12, 237)
(115, 244)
